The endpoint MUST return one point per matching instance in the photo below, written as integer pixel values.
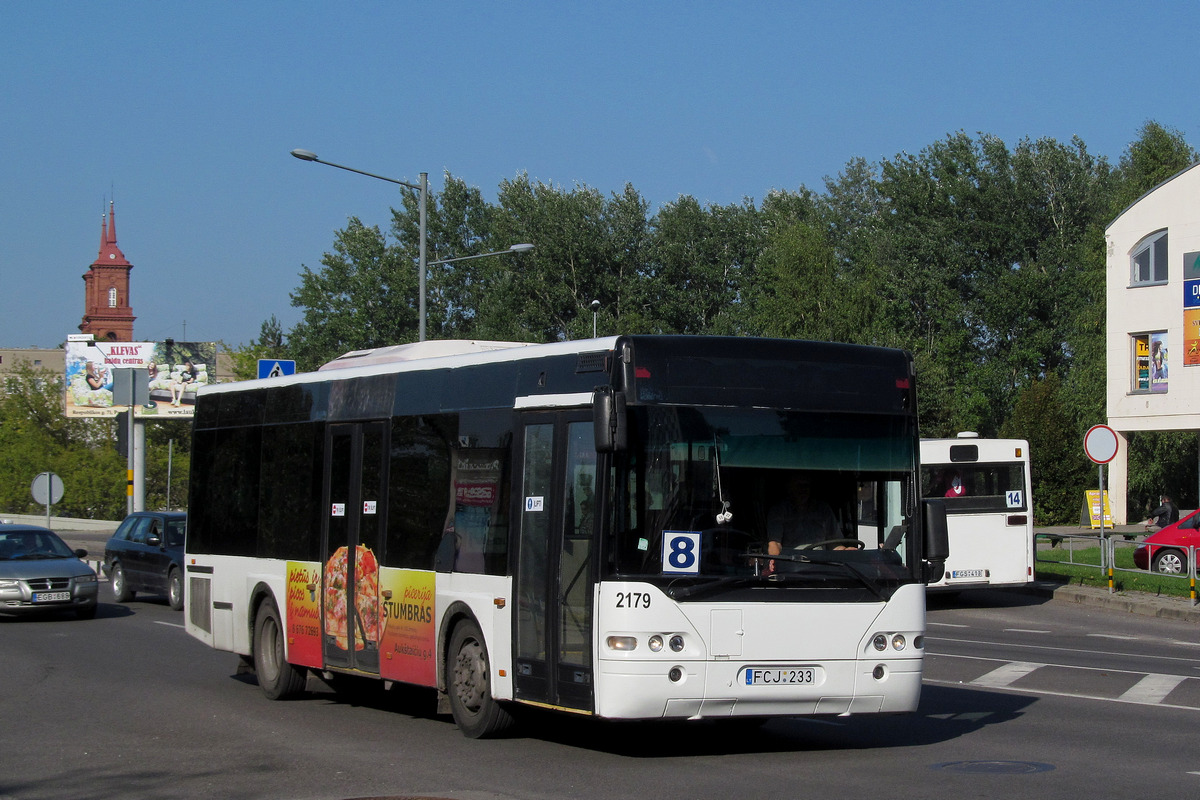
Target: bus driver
(799, 520)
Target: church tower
(107, 313)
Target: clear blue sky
(186, 113)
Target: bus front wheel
(277, 678)
(475, 711)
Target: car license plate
(51, 597)
(780, 676)
(966, 573)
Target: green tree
(459, 223)
(168, 461)
(364, 296)
(1161, 463)
(700, 266)
(546, 295)
(796, 289)
(35, 437)
(270, 343)
(1154, 156)
(1060, 471)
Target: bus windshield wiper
(809, 559)
(846, 565)
(714, 583)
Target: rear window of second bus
(969, 488)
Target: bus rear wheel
(475, 711)
(277, 678)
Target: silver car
(38, 572)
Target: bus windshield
(723, 484)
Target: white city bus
(985, 484)
(578, 526)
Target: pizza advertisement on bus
(303, 613)
(359, 630)
(409, 636)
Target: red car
(1167, 550)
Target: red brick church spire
(108, 314)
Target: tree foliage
(36, 437)
(985, 260)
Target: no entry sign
(1100, 444)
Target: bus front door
(553, 625)
(355, 486)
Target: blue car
(39, 572)
(146, 555)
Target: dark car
(146, 555)
(39, 572)
(1166, 550)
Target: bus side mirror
(937, 539)
(608, 418)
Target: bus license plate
(51, 597)
(966, 573)
(780, 676)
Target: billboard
(170, 371)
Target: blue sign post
(275, 368)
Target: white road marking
(1006, 674)
(1153, 688)
(946, 625)
(1024, 630)
(169, 624)
(1114, 636)
(1045, 647)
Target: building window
(112, 297)
(1150, 362)
(1148, 264)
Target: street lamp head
(305, 155)
(520, 248)
(595, 306)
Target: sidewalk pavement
(1142, 603)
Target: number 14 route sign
(275, 368)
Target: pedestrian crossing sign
(275, 368)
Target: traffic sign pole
(47, 489)
(1100, 445)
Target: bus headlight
(897, 641)
(677, 643)
(656, 643)
(623, 642)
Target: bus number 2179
(633, 599)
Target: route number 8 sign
(681, 553)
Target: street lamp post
(513, 248)
(423, 192)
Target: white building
(1153, 324)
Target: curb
(1140, 603)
